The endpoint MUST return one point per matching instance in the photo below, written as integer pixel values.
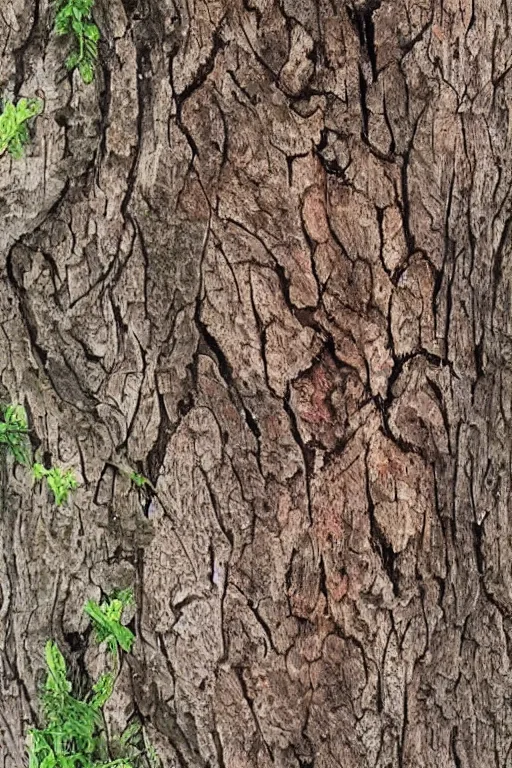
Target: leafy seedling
(59, 481)
(74, 734)
(106, 620)
(74, 17)
(14, 431)
(70, 736)
(102, 690)
(139, 480)
(14, 125)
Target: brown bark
(265, 260)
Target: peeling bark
(265, 260)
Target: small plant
(75, 17)
(106, 620)
(14, 125)
(14, 435)
(74, 735)
(70, 734)
(139, 480)
(59, 481)
(14, 431)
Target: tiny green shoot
(139, 480)
(14, 125)
(59, 481)
(14, 431)
(106, 620)
(75, 17)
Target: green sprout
(59, 481)
(74, 733)
(139, 480)
(14, 125)
(106, 620)
(14, 431)
(71, 737)
(75, 17)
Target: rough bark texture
(265, 260)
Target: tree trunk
(265, 260)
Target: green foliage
(138, 479)
(135, 745)
(59, 481)
(75, 17)
(102, 690)
(73, 735)
(14, 430)
(106, 620)
(14, 435)
(14, 124)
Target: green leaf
(92, 32)
(106, 619)
(39, 471)
(77, 28)
(132, 730)
(125, 596)
(72, 60)
(62, 25)
(90, 51)
(14, 426)
(56, 681)
(59, 481)
(138, 480)
(75, 17)
(86, 71)
(13, 124)
(102, 690)
(22, 111)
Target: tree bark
(265, 261)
